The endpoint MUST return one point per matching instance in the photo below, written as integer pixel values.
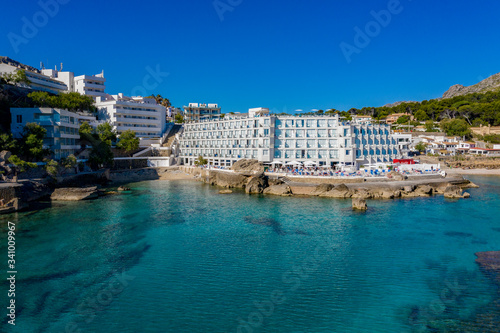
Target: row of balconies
(309, 146)
(225, 146)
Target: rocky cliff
(490, 84)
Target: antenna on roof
(41, 65)
(61, 67)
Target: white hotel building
(140, 114)
(326, 140)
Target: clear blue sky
(284, 55)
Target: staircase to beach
(169, 140)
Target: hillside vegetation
(475, 108)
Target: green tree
(101, 154)
(403, 120)
(19, 77)
(179, 118)
(200, 161)
(429, 126)
(20, 165)
(32, 142)
(420, 115)
(161, 100)
(68, 162)
(106, 133)
(51, 167)
(71, 101)
(458, 127)
(85, 128)
(7, 142)
(128, 141)
(421, 147)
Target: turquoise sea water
(176, 256)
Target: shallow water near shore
(177, 256)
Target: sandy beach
(483, 172)
(174, 174)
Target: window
(19, 118)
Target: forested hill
(476, 108)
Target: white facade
(93, 85)
(62, 127)
(140, 114)
(38, 80)
(56, 81)
(201, 111)
(325, 140)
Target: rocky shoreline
(249, 175)
(245, 174)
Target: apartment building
(56, 81)
(38, 80)
(325, 140)
(140, 114)
(92, 85)
(199, 111)
(62, 126)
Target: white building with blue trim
(323, 139)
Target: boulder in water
(359, 204)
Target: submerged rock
(74, 193)
(225, 192)
(489, 262)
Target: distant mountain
(490, 84)
(390, 105)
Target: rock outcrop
(248, 167)
(359, 204)
(74, 193)
(453, 192)
(490, 84)
(386, 193)
(362, 194)
(256, 185)
(282, 190)
(228, 179)
(322, 189)
(340, 191)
